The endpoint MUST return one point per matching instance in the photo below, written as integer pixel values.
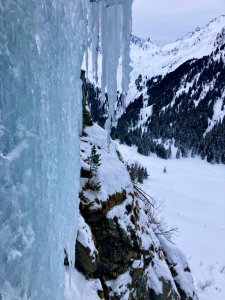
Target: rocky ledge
(118, 245)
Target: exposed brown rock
(85, 262)
(85, 173)
(92, 214)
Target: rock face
(116, 242)
(114, 247)
(84, 260)
(87, 119)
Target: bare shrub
(205, 284)
(222, 270)
(154, 212)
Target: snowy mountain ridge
(148, 59)
(176, 91)
(185, 106)
(142, 43)
(212, 25)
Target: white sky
(167, 20)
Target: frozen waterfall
(42, 43)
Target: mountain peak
(219, 19)
(151, 60)
(142, 43)
(215, 26)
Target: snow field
(193, 196)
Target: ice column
(126, 34)
(94, 27)
(115, 43)
(111, 38)
(41, 51)
(42, 43)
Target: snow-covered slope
(192, 192)
(186, 105)
(120, 250)
(185, 98)
(148, 59)
(152, 60)
(144, 44)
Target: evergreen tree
(140, 174)
(184, 152)
(137, 172)
(132, 172)
(193, 152)
(161, 151)
(94, 161)
(169, 152)
(178, 154)
(145, 173)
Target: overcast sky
(167, 20)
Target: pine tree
(178, 154)
(140, 174)
(145, 173)
(94, 162)
(184, 152)
(132, 172)
(137, 172)
(169, 152)
(193, 152)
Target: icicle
(103, 50)
(42, 49)
(115, 21)
(126, 34)
(94, 28)
(87, 61)
(111, 39)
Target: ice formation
(41, 50)
(115, 31)
(109, 29)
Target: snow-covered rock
(115, 229)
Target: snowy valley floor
(193, 194)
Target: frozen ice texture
(115, 34)
(42, 44)
(41, 52)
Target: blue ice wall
(41, 50)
